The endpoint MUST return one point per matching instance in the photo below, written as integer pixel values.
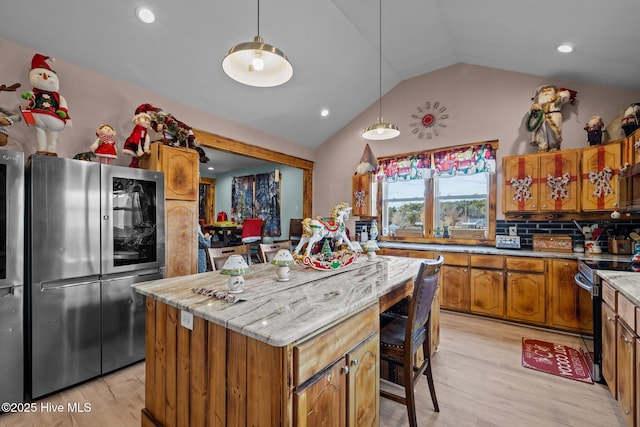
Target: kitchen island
(302, 352)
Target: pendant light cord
(258, 18)
(380, 63)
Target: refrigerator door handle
(48, 286)
(6, 291)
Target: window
(448, 194)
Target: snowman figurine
(46, 109)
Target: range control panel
(507, 242)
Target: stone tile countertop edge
(625, 282)
(285, 313)
(490, 250)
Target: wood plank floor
(478, 377)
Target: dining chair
(252, 235)
(402, 336)
(219, 255)
(295, 230)
(266, 251)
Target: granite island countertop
(625, 282)
(281, 313)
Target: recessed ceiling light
(145, 15)
(210, 168)
(324, 112)
(565, 48)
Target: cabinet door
(322, 400)
(609, 320)
(361, 195)
(182, 238)
(526, 296)
(571, 306)
(454, 287)
(637, 379)
(181, 167)
(625, 376)
(600, 167)
(520, 189)
(559, 181)
(487, 291)
(363, 383)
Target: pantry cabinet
(570, 305)
(546, 182)
(600, 170)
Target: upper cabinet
(600, 169)
(361, 195)
(547, 182)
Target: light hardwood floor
(478, 376)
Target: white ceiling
(332, 45)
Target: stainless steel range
(587, 278)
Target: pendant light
(257, 63)
(380, 130)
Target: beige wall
(94, 99)
(482, 103)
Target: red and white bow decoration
(522, 188)
(559, 185)
(601, 180)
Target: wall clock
(429, 120)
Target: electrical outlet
(513, 231)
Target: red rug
(555, 359)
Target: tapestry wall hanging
(258, 196)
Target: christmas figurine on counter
(138, 143)
(105, 145)
(46, 108)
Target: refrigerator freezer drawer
(123, 322)
(11, 345)
(65, 336)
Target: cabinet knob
(354, 362)
(345, 370)
(544, 206)
(533, 206)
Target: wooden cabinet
(337, 382)
(486, 285)
(182, 238)
(181, 169)
(526, 289)
(625, 384)
(547, 182)
(600, 169)
(609, 329)
(361, 195)
(454, 281)
(570, 306)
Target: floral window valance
(465, 160)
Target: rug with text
(555, 359)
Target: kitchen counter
(280, 313)
(490, 250)
(625, 282)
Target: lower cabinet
(570, 306)
(526, 289)
(486, 285)
(609, 329)
(625, 349)
(454, 282)
(336, 375)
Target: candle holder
(235, 267)
(370, 247)
(283, 260)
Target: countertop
(490, 250)
(282, 313)
(625, 282)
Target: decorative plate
(330, 261)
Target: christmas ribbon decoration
(559, 185)
(522, 188)
(601, 180)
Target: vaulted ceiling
(333, 46)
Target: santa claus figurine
(595, 130)
(545, 116)
(138, 143)
(105, 145)
(47, 109)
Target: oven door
(593, 342)
(584, 283)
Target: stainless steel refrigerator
(11, 276)
(93, 231)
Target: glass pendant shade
(243, 64)
(380, 131)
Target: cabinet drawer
(452, 258)
(487, 261)
(314, 355)
(422, 254)
(525, 264)
(626, 311)
(609, 295)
